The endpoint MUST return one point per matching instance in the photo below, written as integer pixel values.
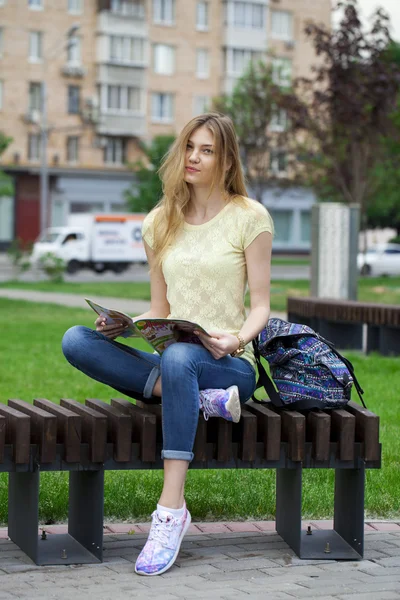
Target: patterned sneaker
(162, 546)
(221, 403)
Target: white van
(95, 241)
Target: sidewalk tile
(242, 527)
(380, 526)
(213, 527)
(265, 525)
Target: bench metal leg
(288, 506)
(346, 540)
(23, 512)
(83, 544)
(349, 507)
(86, 510)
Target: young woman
(205, 241)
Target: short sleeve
(148, 229)
(256, 220)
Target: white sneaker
(221, 403)
(163, 544)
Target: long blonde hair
(170, 211)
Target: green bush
(19, 253)
(395, 240)
(53, 266)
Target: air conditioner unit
(100, 142)
(32, 116)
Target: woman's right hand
(113, 330)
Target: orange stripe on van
(119, 218)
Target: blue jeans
(184, 368)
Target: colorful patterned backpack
(307, 370)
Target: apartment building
(101, 76)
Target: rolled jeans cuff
(151, 382)
(177, 455)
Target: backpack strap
(265, 381)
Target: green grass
(32, 366)
(380, 289)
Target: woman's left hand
(220, 343)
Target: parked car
(382, 259)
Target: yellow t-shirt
(205, 269)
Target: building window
(35, 96)
(237, 60)
(128, 8)
(35, 4)
(164, 12)
(126, 49)
(279, 120)
(200, 105)
(278, 161)
(114, 151)
(202, 16)
(282, 71)
(35, 46)
(162, 107)
(34, 146)
(72, 149)
(1, 94)
(74, 50)
(74, 92)
(75, 6)
(124, 99)
(305, 226)
(202, 63)
(283, 220)
(164, 59)
(248, 15)
(282, 25)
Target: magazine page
(160, 333)
(114, 315)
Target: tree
(252, 107)
(6, 185)
(339, 114)
(384, 207)
(144, 195)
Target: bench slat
(143, 427)
(294, 432)
(200, 443)
(224, 441)
(18, 433)
(319, 433)
(343, 427)
(43, 428)
(2, 437)
(154, 409)
(94, 428)
(69, 428)
(269, 428)
(119, 428)
(248, 436)
(367, 430)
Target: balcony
(121, 124)
(73, 70)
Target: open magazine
(159, 333)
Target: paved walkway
(217, 560)
(77, 300)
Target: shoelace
(160, 529)
(209, 409)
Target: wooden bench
(86, 440)
(350, 324)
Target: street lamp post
(44, 135)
